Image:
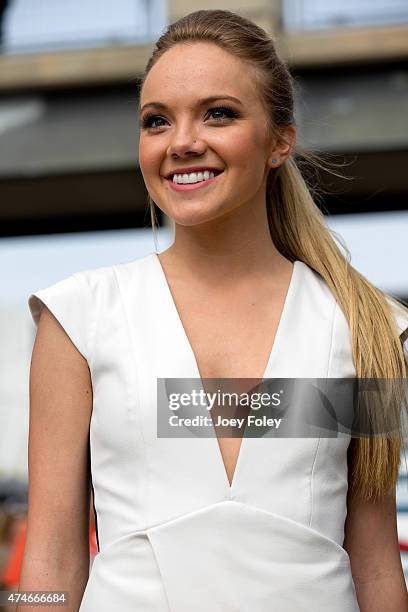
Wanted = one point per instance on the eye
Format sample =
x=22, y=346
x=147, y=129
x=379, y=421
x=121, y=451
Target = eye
x=227, y=111
x=148, y=120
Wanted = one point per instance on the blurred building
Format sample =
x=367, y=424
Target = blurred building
x=68, y=110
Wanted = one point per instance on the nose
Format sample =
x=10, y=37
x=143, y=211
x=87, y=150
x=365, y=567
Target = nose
x=185, y=141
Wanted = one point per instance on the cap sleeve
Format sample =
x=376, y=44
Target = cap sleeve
x=404, y=338
x=68, y=301
x=401, y=319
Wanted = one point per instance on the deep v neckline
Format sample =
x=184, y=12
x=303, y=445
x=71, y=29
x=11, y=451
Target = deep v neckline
x=279, y=333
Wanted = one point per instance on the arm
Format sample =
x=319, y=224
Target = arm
x=371, y=540
x=56, y=555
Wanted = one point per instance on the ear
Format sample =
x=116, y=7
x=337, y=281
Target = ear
x=282, y=148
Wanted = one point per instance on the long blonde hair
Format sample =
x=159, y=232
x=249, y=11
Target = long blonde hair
x=299, y=232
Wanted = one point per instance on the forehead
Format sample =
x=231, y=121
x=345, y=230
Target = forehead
x=196, y=70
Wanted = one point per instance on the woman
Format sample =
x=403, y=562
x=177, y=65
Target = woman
x=246, y=291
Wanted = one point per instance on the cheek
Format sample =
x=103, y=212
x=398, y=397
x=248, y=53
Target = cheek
x=240, y=147
x=149, y=158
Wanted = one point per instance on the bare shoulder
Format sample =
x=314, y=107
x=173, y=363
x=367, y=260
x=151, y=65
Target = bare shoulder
x=53, y=347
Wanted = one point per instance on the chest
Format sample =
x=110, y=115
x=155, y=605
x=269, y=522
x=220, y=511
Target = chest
x=163, y=472
x=232, y=337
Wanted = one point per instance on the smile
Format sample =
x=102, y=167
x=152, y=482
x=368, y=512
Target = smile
x=191, y=186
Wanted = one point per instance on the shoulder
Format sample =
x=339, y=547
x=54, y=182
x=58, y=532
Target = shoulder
x=96, y=282
x=317, y=297
x=77, y=300
x=325, y=302
x=101, y=274
x=317, y=284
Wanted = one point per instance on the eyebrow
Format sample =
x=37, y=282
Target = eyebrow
x=201, y=102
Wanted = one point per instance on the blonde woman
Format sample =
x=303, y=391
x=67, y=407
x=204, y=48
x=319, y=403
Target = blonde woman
x=253, y=287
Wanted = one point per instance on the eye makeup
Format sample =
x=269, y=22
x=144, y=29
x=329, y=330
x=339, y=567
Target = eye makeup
x=146, y=122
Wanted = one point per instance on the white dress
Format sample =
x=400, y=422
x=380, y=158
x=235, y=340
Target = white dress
x=173, y=535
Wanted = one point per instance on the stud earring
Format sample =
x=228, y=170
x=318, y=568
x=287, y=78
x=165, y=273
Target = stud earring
x=274, y=161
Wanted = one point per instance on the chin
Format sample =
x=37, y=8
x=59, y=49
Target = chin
x=192, y=213
x=190, y=220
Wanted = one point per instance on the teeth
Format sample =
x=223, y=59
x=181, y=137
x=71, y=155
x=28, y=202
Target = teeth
x=194, y=177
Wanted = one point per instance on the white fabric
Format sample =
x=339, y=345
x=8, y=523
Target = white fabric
x=174, y=536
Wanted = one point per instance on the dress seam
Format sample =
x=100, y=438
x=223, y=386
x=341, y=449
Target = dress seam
x=330, y=356
x=331, y=350
x=312, y=483
x=92, y=321
x=138, y=384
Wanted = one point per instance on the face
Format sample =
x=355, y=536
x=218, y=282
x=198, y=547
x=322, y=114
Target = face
x=201, y=113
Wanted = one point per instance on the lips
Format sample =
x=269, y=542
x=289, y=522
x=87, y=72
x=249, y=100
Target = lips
x=192, y=186
x=193, y=169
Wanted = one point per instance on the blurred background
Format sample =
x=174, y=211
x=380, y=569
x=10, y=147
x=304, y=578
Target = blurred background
x=72, y=195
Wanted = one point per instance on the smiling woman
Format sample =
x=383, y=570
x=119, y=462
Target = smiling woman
x=218, y=118
x=254, y=287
